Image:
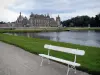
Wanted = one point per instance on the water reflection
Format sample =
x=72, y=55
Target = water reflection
x=88, y=38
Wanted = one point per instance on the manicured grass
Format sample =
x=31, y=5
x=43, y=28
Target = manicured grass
x=17, y=31
x=90, y=62
x=50, y=29
x=34, y=30
x=83, y=28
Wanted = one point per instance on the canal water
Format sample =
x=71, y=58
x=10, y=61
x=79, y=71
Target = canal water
x=87, y=38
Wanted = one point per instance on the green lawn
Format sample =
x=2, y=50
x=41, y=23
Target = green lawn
x=50, y=29
x=90, y=62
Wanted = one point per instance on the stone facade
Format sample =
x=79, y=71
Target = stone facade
x=21, y=21
x=36, y=20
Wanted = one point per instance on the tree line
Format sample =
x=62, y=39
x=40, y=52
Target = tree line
x=82, y=21
x=2, y=22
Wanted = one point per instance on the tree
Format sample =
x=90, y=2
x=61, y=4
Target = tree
x=2, y=22
x=83, y=21
x=97, y=20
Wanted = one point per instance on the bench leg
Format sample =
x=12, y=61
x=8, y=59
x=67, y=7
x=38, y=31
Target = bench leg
x=73, y=67
x=68, y=70
x=75, y=71
x=41, y=61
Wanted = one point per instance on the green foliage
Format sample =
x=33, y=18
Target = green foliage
x=83, y=21
x=90, y=62
x=2, y=22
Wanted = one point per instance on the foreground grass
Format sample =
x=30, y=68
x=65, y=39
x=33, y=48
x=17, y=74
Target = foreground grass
x=90, y=62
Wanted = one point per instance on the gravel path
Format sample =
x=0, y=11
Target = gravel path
x=16, y=61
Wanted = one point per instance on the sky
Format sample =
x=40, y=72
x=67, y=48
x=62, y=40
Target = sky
x=66, y=9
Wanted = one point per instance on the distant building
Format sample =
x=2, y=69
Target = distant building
x=21, y=21
x=36, y=20
x=4, y=25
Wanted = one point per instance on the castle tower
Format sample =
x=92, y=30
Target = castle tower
x=31, y=14
x=48, y=16
x=20, y=13
x=19, y=21
x=58, y=20
x=20, y=18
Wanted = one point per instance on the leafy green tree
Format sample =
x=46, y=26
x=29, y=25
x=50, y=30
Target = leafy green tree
x=2, y=22
x=83, y=21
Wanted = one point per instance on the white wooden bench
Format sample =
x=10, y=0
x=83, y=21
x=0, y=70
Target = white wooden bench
x=71, y=64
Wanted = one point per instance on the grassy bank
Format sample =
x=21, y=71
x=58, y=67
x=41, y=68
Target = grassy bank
x=50, y=29
x=17, y=31
x=83, y=28
x=24, y=31
x=90, y=62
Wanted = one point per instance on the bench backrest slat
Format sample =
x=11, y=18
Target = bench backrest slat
x=63, y=49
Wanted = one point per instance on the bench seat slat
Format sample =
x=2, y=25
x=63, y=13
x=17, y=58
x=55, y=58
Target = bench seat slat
x=60, y=60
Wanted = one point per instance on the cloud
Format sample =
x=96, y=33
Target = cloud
x=5, y=13
x=65, y=8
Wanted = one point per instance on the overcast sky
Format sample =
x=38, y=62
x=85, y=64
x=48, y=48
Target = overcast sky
x=9, y=9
